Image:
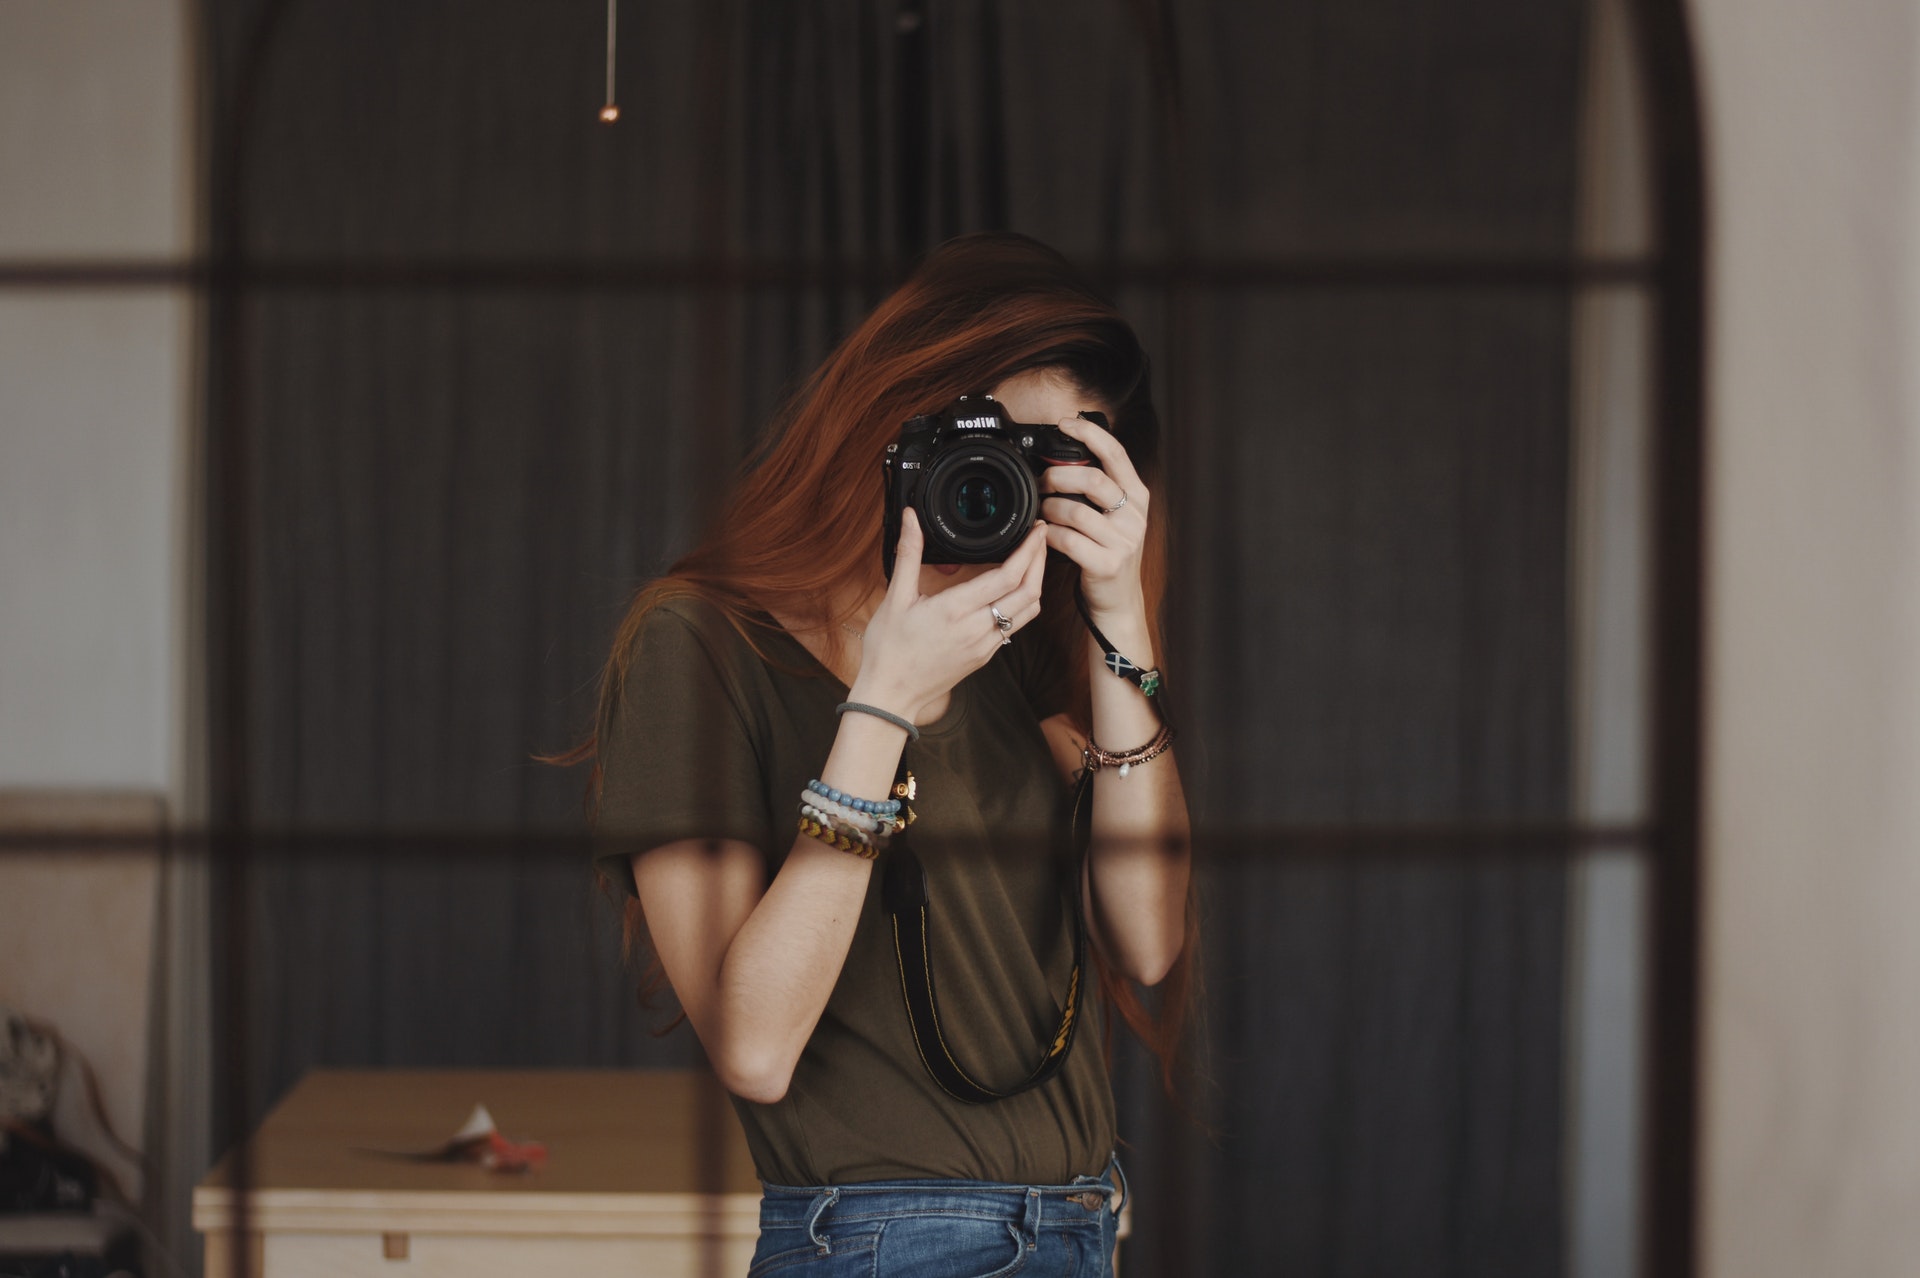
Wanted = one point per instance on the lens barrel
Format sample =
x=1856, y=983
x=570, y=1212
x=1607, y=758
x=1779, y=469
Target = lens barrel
x=978, y=498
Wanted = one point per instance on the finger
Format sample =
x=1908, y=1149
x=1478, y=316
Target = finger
x=1000, y=580
x=1087, y=480
x=1082, y=549
x=1113, y=457
x=1036, y=575
x=1027, y=594
x=1022, y=604
x=1071, y=513
x=905, y=585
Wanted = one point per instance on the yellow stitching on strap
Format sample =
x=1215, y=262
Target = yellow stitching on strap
x=933, y=1005
x=901, y=959
x=1066, y=1020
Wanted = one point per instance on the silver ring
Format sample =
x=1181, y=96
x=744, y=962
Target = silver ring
x=1001, y=619
x=1108, y=510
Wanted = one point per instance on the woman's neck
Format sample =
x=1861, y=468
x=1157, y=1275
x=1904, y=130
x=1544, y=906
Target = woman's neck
x=834, y=635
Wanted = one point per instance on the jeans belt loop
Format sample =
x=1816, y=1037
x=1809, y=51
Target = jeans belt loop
x=1030, y=1226
x=820, y=1206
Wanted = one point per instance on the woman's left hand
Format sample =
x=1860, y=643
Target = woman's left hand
x=1106, y=543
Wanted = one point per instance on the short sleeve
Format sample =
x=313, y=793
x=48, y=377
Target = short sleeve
x=678, y=755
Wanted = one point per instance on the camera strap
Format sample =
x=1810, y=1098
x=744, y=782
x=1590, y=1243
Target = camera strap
x=904, y=890
x=1148, y=681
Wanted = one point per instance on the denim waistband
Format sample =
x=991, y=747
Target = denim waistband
x=812, y=1207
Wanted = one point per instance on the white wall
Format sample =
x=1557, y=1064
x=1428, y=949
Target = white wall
x=1812, y=1142
x=95, y=162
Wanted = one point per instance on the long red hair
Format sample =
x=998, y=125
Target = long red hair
x=796, y=530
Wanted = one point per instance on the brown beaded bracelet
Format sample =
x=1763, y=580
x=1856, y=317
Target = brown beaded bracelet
x=1093, y=758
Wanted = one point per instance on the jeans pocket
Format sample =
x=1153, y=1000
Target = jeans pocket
x=851, y=1257
x=951, y=1246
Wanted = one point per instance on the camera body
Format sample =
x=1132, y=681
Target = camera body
x=972, y=474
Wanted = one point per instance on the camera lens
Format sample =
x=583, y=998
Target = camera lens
x=978, y=500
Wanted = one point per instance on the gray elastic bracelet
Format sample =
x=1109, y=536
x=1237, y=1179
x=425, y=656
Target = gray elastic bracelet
x=912, y=732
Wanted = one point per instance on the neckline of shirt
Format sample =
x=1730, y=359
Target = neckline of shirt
x=945, y=725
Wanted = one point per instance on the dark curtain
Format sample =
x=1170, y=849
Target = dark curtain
x=457, y=476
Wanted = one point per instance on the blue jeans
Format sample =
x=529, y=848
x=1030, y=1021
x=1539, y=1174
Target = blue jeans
x=941, y=1228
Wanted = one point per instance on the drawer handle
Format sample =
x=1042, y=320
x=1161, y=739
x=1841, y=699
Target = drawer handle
x=393, y=1246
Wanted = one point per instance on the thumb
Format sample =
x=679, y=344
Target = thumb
x=906, y=557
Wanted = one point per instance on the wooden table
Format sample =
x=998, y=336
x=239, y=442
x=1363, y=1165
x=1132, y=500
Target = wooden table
x=647, y=1173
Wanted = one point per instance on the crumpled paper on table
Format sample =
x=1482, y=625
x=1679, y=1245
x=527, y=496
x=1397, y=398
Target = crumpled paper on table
x=478, y=1141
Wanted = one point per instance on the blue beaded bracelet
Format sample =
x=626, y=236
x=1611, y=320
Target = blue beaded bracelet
x=873, y=807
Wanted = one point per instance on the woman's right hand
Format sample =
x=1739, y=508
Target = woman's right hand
x=917, y=647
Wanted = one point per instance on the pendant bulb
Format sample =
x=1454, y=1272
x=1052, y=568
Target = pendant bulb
x=611, y=111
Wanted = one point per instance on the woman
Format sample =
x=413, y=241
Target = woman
x=776, y=710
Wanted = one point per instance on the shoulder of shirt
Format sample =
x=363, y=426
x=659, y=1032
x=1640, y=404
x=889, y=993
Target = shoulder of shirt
x=698, y=615
x=706, y=624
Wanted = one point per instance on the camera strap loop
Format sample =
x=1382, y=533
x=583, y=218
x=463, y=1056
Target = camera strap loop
x=1148, y=681
x=904, y=892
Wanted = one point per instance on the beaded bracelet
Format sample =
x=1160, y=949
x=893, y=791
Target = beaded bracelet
x=877, y=836
x=841, y=814
x=834, y=838
x=876, y=807
x=858, y=824
x=841, y=822
x=841, y=835
x=1093, y=758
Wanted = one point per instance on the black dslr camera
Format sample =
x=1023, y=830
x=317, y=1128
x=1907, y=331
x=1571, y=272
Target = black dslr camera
x=971, y=473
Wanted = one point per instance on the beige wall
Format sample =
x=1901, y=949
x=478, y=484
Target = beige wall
x=96, y=124
x=1812, y=1143
x=77, y=933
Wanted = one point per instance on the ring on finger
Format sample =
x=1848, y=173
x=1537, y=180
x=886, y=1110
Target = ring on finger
x=1108, y=510
x=1001, y=619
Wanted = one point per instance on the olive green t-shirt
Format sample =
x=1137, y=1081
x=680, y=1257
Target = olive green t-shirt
x=711, y=741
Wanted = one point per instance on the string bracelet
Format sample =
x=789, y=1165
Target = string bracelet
x=875, y=807
x=913, y=733
x=1093, y=758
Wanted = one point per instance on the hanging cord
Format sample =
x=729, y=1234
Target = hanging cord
x=611, y=111
x=905, y=895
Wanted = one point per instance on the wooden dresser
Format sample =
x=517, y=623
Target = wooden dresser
x=646, y=1173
